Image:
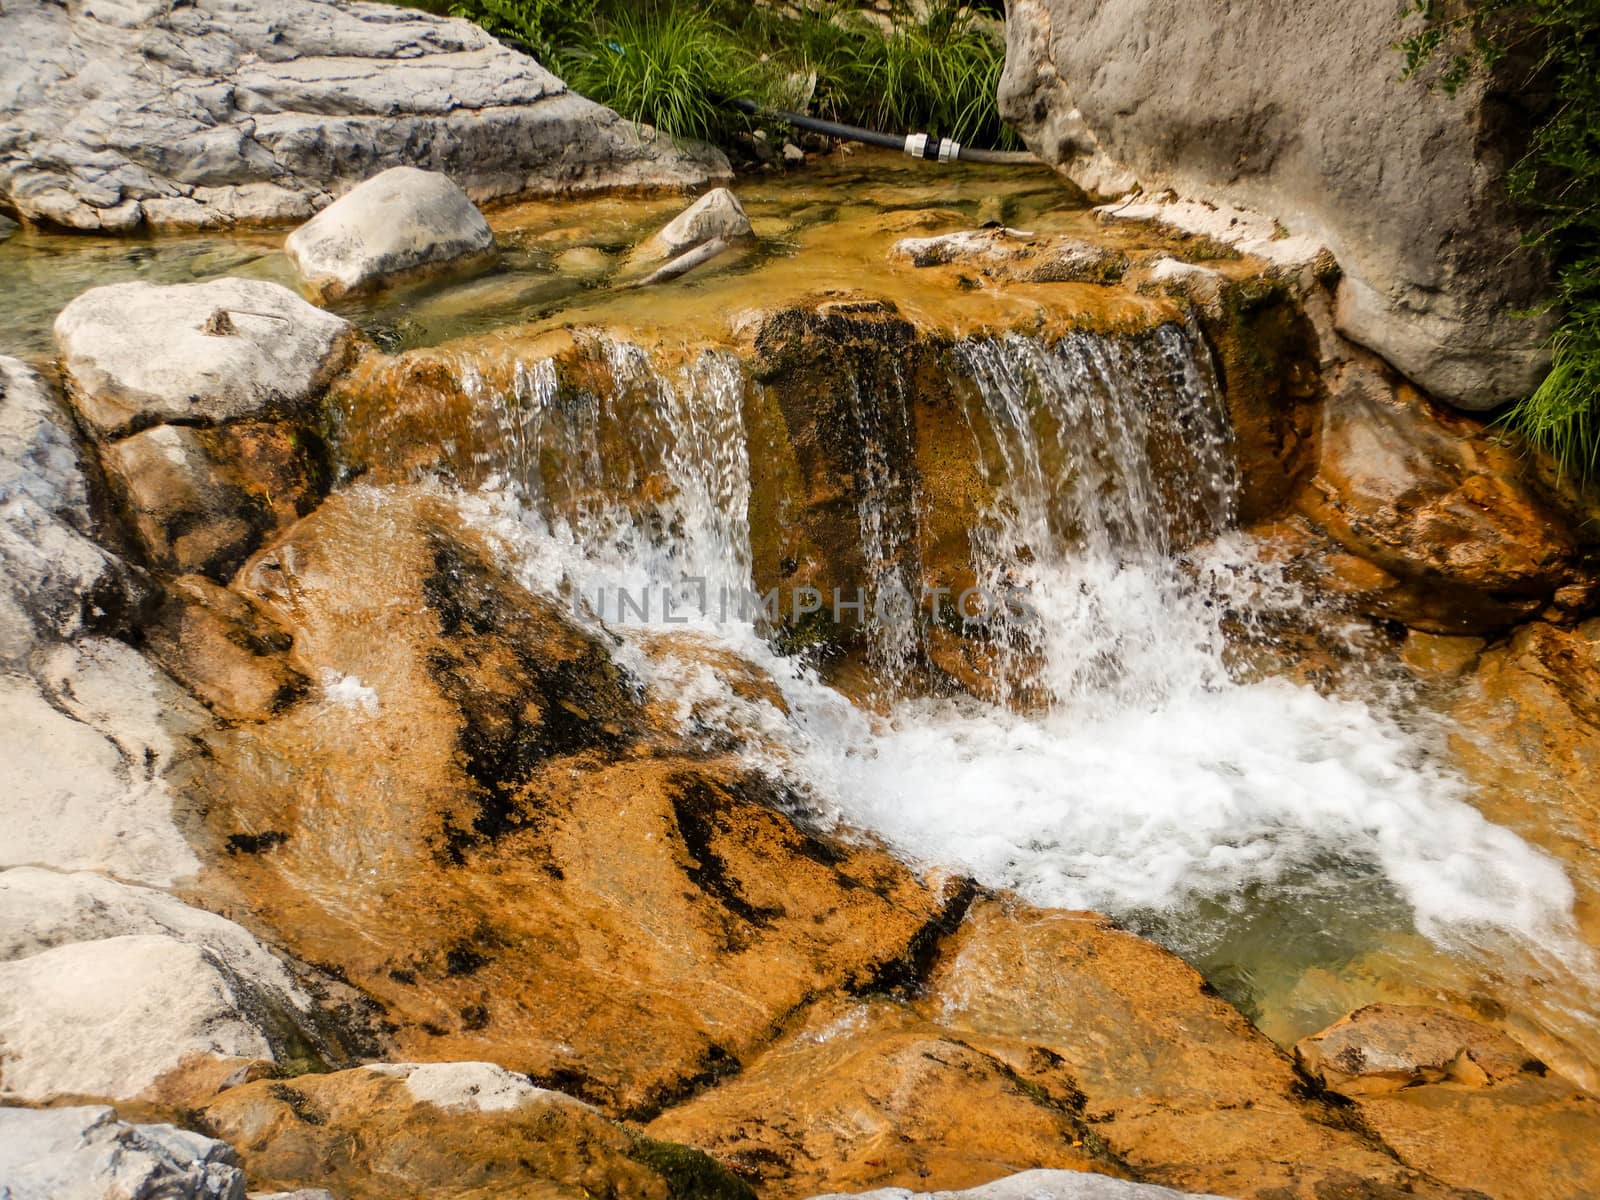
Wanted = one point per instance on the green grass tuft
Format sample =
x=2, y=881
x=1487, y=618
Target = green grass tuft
x=669, y=63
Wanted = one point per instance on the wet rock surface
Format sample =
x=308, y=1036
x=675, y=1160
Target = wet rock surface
x=119, y=116
x=1461, y=1100
x=402, y=224
x=1036, y=1185
x=430, y=823
x=449, y=1130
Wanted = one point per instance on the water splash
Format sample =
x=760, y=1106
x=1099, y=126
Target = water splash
x=1148, y=782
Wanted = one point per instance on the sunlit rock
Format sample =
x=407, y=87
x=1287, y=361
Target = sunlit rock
x=451, y=1131
x=211, y=115
x=868, y=1094
x=477, y=820
x=86, y=1153
x=136, y=354
x=397, y=226
x=716, y=215
x=1037, y=1185
x=1461, y=1100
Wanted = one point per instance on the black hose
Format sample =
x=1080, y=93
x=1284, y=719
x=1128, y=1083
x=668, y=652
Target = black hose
x=918, y=145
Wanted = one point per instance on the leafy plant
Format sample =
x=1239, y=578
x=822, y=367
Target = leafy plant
x=1557, y=179
x=540, y=26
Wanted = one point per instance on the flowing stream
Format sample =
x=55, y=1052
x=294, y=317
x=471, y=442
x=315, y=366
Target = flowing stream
x=1259, y=826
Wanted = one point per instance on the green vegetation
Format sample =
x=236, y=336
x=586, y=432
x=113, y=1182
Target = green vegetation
x=670, y=63
x=1558, y=180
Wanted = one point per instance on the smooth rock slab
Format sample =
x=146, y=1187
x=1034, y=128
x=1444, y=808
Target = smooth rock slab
x=1038, y=1185
x=398, y=224
x=86, y=1153
x=137, y=354
x=111, y=1018
x=118, y=115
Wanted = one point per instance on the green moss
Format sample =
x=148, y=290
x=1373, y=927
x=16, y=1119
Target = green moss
x=689, y=1174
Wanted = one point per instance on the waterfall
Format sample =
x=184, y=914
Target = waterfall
x=1145, y=779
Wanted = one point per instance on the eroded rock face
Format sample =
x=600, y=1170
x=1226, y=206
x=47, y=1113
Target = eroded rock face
x=86, y=1153
x=1217, y=107
x=474, y=820
x=868, y=1094
x=401, y=224
x=208, y=115
x=455, y=1131
x=1461, y=1100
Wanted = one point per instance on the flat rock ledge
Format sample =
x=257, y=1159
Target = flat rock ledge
x=400, y=225
x=122, y=114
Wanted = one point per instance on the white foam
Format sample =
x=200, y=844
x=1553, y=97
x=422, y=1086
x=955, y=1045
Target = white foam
x=346, y=691
x=1154, y=778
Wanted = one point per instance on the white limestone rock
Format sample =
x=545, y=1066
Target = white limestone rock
x=1012, y=254
x=55, y=581
x=398, y=224
x=470, y=1086
x=111, y=1018
x=1038, y=1185
x=86, y=1153
x=103, y=728
x=138, y=354
x=119, y=114
x=1303, y=116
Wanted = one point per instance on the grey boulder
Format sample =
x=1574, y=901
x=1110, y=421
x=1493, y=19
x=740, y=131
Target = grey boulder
x=136, y=354
x=717, y=214
x=122, y=113
x=397, y=225
x=1299, y=112
x=1038, y=1185
x=86, y=1153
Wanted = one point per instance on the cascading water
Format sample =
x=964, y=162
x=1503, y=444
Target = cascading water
x=1144, y=779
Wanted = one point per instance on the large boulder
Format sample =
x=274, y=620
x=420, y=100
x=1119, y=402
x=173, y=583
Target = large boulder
x=204, y=399
x=117, y=115
x=1302, y=115
x=86, y=1153
x=395, y=226
x=477, y=819
x=137, y=354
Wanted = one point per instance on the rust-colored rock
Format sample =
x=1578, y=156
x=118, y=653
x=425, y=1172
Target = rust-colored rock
x=226, y=650
x=1385, y=1047
x=201, y=499
x=1462, y=1101
x=448, y=1131
x=1436, y=502
x=474, y=824
x=867, y=1094
x=1174, y=1080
